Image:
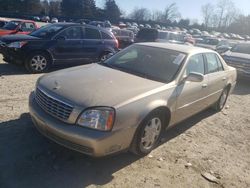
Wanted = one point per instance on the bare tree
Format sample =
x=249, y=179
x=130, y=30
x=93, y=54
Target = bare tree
x=157, y=15
x=224, y=12
x=207, y=13
x=140, y=14
x=171, y=12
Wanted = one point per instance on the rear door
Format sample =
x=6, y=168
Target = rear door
x=93, y=43
x=69, y=45
x=191, y=95
x=216, y=76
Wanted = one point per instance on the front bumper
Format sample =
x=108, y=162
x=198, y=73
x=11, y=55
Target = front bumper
x=12, y=55
x=91, y=142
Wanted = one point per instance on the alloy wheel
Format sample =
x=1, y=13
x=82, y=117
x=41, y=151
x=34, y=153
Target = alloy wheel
x=38, y=63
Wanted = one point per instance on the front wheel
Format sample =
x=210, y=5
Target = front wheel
x=148, y=134
x=38, y=63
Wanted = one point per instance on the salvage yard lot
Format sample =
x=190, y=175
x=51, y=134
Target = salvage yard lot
x=218, y=144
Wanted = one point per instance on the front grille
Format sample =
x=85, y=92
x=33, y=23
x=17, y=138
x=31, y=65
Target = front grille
x=53, y=106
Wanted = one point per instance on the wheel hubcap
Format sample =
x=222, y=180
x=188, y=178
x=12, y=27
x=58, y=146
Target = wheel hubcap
x=38, y=63
x=151, y=133
x=223, y=99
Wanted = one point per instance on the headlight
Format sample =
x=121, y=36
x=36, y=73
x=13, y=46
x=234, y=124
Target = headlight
x=101, y=118
x=17, y=44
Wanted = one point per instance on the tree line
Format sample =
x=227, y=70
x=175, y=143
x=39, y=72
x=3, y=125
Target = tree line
x=63, y=8
x=221, y=16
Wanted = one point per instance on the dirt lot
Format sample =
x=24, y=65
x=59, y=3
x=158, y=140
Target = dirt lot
x=218, y=144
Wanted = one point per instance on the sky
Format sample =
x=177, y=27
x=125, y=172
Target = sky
x=188, y=8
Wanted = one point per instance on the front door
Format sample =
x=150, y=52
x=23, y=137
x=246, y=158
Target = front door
x=69, y=45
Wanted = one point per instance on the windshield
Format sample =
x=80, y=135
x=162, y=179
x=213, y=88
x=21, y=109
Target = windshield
x=241, y=48
x=148, y=62
x=12, y=25
x=47, y=31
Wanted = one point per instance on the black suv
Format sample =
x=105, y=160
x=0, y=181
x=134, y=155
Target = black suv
x=58, y=43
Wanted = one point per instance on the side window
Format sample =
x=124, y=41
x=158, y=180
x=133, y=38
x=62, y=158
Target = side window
x=219, y=64
x=106, y=36
x=212, y=63
x=195, y=64
x=26, y=27
x=72, y=33
x=92, y=33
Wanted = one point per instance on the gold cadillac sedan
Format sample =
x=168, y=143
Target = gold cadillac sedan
x=126, y=102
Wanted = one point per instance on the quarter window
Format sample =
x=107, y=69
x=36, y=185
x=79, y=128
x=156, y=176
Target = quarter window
x=195, y=64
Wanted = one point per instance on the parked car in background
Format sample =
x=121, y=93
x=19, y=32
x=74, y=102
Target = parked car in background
x=154, y=35
x=209, y=42
x=128, y=101
x=18, y=27
x=3, y=22
x=58, y=43
x=54, y=20
x=124, y=37
x=225, y=45
x=147, y=35
x=36, y=18
x=45, y=19
x=106, y=25
x=239, y=57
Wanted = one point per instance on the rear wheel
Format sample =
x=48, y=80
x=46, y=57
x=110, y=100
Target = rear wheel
x=104, y=56
x=38, y=62
x=219, y=105
x=148, y=134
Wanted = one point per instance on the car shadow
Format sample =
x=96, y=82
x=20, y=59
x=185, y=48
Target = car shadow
x=8, y=69
x=242, y=87
x=28, y=159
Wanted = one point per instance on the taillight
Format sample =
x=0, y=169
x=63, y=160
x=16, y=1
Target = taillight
x=117, y=43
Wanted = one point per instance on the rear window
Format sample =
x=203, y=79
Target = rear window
x=241, y=48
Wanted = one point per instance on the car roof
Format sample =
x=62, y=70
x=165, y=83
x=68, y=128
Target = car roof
x=177, y=47
x=22, y=21
x=68, y=24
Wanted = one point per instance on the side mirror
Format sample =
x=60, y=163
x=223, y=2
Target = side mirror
x=61, y=38
x=194, y=77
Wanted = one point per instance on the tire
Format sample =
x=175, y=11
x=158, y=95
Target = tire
x=104, y=56
x=38, y=62
x=148, y=134
x=220, y=104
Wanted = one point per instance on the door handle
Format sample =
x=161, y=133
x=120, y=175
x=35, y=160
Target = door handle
x=204, y=86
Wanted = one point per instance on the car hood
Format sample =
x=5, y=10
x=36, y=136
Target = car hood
x=95, y=85
x=16, y=38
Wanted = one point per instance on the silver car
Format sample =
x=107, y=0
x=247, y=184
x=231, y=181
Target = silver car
x=126, y=102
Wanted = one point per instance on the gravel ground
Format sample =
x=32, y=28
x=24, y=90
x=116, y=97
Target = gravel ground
x=207, y=144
